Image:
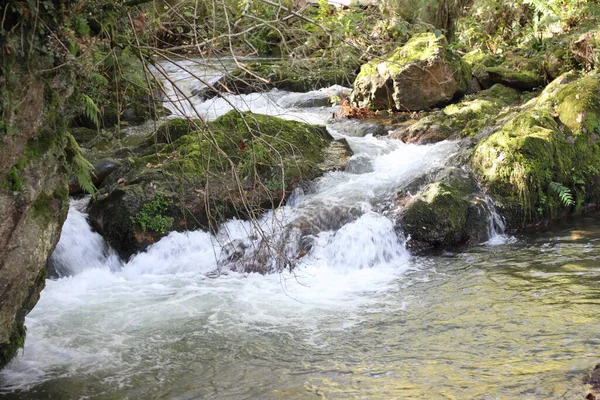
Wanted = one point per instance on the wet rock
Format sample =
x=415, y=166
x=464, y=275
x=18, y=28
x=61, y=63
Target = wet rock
x=358, y=128
x=318, y=98
x=267, y=253
x=553, y=139
x=34, y=168
x=422, y=74
x=336, y=156
x=359, y=164
x=101, y=170
x=238, y=166
x=447, y=213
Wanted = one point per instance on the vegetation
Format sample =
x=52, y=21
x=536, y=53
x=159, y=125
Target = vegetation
x=151, y=216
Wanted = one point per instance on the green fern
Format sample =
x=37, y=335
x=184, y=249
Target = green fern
x=91, y=110
x=564, y=193
x=80, y=166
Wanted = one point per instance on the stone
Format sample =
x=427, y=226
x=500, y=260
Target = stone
x=239, y=165
x=422, y=74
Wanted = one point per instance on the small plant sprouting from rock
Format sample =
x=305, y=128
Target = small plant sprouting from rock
x=151, y=216
x=564, y=193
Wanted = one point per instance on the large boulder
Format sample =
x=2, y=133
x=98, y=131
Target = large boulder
x=422, y=74
x=447, y=213
x=236, y=166
x=546, y=160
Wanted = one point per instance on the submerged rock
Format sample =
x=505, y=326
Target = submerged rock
x=421, y=74
x=237, y=166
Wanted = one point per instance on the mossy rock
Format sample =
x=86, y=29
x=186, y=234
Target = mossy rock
x=517, y=70
x=175, y=128
x=239, y=165
x=465, y=118
x=421, y=74
x=555, y=140
x=446, y=213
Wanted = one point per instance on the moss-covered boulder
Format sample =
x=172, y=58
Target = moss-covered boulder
x=516, y=70
x=446, y=213
x=421, y=74
x=175, y=128
x=547, y=155
x=462, y=119
x=238, y=165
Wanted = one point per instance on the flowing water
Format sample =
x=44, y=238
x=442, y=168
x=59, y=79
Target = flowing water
x=358, y=318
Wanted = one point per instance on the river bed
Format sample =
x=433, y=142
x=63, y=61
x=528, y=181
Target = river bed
x=360, y=317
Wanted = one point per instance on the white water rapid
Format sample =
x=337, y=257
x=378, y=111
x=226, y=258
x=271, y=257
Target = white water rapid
x=164, y=309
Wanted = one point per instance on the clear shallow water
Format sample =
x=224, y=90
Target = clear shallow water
x=359, y=317
x=516, y=321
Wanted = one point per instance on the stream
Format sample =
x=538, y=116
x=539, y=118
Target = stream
x=359, y=317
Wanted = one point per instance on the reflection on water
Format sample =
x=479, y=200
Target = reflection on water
x=517, y=321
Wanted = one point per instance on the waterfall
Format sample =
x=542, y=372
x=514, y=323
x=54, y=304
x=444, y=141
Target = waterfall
x=79, y=247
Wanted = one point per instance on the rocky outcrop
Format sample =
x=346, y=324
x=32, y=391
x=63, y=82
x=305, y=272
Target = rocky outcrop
x=34, y=163
x=544, y=161
x=422, y=74
x=236, y=166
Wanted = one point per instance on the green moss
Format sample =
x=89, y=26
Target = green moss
x=17, y=340
x=419, y=48
x=42, y=207
x=173, y=129
x=518, y=163
x=479, y=57
x=520, y=79
x=577, y=103
x=474, y=112
x=151, y=216
x=438, y=215
x=257, y=147
x=41, y=144
x=14, y=179
x=464, y=118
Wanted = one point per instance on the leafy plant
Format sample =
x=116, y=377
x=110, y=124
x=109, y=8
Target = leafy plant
x=80, y=166
x=91, y=110
x=564, y=193
x=151, y=216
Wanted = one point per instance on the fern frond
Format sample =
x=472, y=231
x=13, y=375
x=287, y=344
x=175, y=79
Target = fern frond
x=564, y=193
x=91, y=110
x=80, y=166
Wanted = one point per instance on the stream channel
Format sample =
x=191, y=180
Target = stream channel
x=360, y=317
